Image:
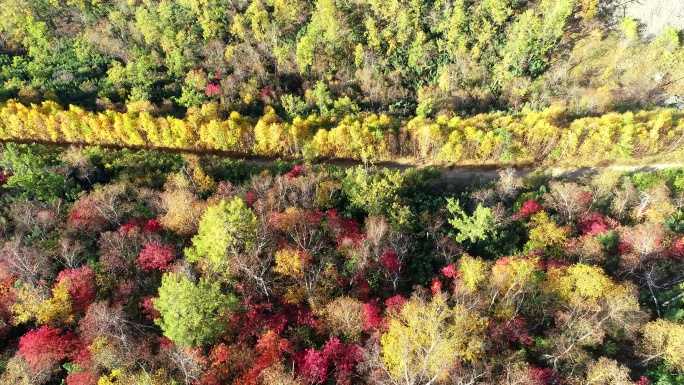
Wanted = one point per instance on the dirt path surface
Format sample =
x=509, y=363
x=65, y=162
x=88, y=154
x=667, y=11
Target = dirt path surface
x=451, y=174
x=474, y=174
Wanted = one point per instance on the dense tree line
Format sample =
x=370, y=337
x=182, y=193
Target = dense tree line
x=409, y=58
x=122, y=267
x=549, y=136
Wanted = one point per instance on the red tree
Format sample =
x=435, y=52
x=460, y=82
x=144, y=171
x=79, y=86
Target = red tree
x=155, y=256
x=46, y=347
x=81, y=286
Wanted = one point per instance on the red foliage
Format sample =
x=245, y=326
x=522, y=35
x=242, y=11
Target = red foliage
x=125, y=291
x=505, y=334
x=344, y=357
x=259, y=317
x=643, y=381
x=449, y=271
x=212, y=89
x=371, y=317
x=128, y=226
x=152, y=226
x=435, y=286
x=593, y=224
x=147, y=307
x=4, y=176
x=390, y=261
x=251, y=196
x=81, y=378
x=295, y=172
x=86, y=215
x=545, y=376
x=264, y=92
x=623, y=247
x=229, y=362
x=155, y=256
x=676, y=250
x=346, y=231
x=314, y=366
x=527, y=209
x=81, y=286
x=270, y=348
x=395, y=303
x=46, y=347
x=556, y=263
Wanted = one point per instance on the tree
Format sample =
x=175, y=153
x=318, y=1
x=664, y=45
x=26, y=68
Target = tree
x=46, y=347
x=663, y=339
x=155, y=256
x=226, y=229
x=588, y=306
x=33, y=174
x=80, y=284
x=182, y=208
x=479, y=226
x=605, y=371
x=570, y=200
x=345, y=318
x=425, y=340
x=372, y=192
x=191, y=314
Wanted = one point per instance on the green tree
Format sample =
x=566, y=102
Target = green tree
x=191, y=314
x=227, y=228
x=479, y=226
x=34, y=175
x=372, y=192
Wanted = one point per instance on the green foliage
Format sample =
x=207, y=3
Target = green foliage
x=479, y=226
x=192, y=314
x=34, y=174
x=226, y=229
x=372, y=192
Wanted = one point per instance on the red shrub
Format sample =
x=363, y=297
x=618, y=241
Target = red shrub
x=527, y=209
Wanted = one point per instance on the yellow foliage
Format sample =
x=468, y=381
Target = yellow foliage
x=32, y=303
x=291, y=262
x=58, y=308
x=27, y=304
x=605, y=371
x=580, y=282
x=664, y=339
x=344, y=316
x=473, y=272
x=120, y=377
x=425, y=340
x=512, y=278
x=545, y=233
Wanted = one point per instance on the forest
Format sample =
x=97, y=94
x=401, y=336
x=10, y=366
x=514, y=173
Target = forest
x=210, y=192
x=150, y=267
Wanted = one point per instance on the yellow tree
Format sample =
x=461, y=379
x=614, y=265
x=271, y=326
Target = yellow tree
x=663, y=339
x=344, y=317
x=589, y=305
x=426, y=340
